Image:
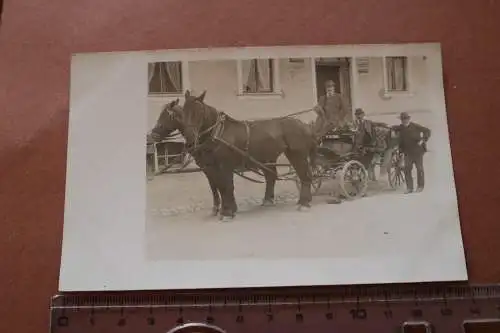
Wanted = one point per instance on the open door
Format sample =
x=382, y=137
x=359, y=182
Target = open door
x=338, y=70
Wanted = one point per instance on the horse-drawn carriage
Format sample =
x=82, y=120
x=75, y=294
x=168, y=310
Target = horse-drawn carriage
x=222, y=146
x=341, y=160
x=337, y=160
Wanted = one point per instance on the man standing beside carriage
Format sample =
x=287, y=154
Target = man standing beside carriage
x=413, y=139
x=369, y=140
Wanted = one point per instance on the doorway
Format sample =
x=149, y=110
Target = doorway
x=339, y=71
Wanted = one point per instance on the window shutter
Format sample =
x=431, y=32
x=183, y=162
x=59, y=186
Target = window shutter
x=363, y=65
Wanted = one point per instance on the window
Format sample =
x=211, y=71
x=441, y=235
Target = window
x=258, y=76
x=165, y=78
x=396, y=73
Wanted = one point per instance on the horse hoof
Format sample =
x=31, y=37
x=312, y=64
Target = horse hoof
x=304, y=208
x=268, y=203
x=215, y=211
x=226, y=218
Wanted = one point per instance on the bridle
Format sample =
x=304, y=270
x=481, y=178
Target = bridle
x=214, y=132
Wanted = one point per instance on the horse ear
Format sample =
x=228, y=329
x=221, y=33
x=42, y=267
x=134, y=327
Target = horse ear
x=202, y=96
x=187, y=94
x=176, y=102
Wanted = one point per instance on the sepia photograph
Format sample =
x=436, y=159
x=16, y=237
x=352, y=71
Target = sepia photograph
x=262, y=166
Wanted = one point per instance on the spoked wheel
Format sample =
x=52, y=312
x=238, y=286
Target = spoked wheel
x=353, y=179
x=316, y=179
x=395, y=174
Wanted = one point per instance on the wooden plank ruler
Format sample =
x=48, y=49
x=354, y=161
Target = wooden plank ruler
x=404, y=308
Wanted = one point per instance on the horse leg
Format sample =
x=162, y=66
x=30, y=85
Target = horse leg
x=215, y=190
x=229, y=207
x=270, y=176
x=301, y=166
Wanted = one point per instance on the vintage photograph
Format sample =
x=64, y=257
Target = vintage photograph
x=330, y=159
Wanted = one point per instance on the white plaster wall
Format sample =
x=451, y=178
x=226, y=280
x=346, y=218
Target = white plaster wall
x=371, y=84
x=219, y=78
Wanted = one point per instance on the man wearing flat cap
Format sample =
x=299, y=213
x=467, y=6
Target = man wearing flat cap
x=413, y=139
x=332, y=111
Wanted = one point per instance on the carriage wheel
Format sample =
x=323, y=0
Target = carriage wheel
x=395, y=174
x=353, y=179
x=316, y=180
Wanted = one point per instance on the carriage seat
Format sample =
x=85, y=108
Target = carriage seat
x=333, y=155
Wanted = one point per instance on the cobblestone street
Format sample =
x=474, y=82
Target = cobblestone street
x=180, y=225
x=175, y=195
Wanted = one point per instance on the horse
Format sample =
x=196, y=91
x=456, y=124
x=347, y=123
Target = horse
x=166, y=124
x=257, y=144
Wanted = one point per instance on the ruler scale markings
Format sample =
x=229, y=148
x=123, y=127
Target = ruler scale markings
x=363, y=308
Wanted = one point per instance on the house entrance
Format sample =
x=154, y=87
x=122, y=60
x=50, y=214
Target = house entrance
x=338, y=70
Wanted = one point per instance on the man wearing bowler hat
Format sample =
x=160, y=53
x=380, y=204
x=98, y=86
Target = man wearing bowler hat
x=365, y=140
x=413, y=139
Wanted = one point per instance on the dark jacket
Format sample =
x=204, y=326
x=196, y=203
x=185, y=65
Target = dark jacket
x=365, y=132
x=335, y=109
x=411, y=135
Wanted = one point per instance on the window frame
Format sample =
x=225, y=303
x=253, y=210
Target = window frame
x=184, y=69
x=408, y=77
x=276, y=91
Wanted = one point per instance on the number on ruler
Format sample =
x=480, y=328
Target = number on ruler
x=210, y=319
x=329, y=315
x=240, y=318
x=151, y=321
x=270, y=317
x=388, y=314
x=358, y=313
x=299, y=317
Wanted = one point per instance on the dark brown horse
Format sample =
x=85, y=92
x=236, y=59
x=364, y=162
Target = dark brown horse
x=167, y=123
x=257, y=144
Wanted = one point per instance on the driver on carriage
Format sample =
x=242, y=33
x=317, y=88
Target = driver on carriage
x=332, y=111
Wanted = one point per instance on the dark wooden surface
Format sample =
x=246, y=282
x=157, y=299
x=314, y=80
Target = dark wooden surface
x=37, y=37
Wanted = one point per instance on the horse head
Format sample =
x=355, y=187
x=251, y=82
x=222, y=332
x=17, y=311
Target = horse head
x=168, y=121
x=195, y=117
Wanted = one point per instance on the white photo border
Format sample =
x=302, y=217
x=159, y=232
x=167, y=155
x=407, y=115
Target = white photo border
x=104, y=228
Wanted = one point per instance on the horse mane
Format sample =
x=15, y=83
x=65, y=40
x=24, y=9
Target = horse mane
x=210, y=114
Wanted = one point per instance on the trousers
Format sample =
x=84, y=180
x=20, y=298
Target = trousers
x=414, y=158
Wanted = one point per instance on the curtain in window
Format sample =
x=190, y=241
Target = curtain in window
x=151, y=71
x=396, y=75
x=265, y=75
x=399, y=73
x=173, y=70
x=250, y=83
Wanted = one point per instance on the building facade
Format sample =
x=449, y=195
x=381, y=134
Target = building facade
x=263, y=88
